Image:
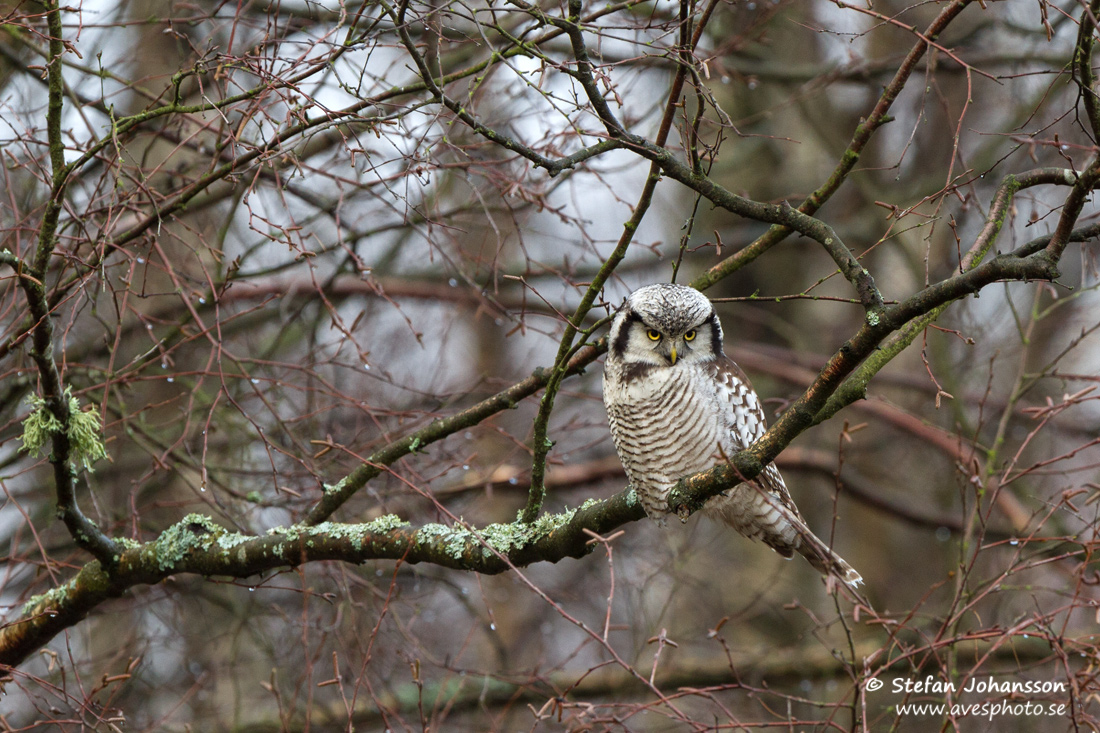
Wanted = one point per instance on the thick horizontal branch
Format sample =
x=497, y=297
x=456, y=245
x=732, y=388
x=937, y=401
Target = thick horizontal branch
x=197, y=545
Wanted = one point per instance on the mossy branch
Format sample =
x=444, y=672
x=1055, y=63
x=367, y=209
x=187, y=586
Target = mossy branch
x=64, y=425
x=197, y=545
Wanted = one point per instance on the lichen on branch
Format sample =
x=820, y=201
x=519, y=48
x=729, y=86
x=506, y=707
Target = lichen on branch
x=84, y=429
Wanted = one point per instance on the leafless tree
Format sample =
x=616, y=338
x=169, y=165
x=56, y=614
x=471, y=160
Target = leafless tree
x=302, y=309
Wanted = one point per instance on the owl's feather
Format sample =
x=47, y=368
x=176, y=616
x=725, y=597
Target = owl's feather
x=676, y=405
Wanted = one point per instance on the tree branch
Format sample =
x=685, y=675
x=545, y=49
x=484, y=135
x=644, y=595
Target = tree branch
x=878, y=117
x=84, y=531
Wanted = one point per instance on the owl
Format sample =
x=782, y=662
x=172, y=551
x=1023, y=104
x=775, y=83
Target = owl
x=676, y=403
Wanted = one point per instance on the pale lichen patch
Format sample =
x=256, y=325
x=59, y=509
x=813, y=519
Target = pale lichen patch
x=229, y=540
x=126, y=544
x=337, y=487
x=354, y=533
x=455, y=538
x=52, y=597
x=431, y=531
x=507, y=537
x=385, y=523
x=39, y=426
x=291, y=533
x=504, y=538
x=547, y=523
x=193, y=532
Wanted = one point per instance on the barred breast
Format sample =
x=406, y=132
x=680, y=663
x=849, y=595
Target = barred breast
x=665, y=426
x=671, y=423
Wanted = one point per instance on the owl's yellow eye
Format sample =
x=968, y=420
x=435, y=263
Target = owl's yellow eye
x=690, y=335
x=653, y=335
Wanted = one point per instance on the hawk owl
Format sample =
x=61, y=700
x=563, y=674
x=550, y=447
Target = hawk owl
x=676, y=403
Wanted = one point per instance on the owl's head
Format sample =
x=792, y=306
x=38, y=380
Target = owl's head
x=665, y=325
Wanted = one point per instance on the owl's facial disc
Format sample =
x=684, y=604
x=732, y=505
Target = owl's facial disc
x=665, y=325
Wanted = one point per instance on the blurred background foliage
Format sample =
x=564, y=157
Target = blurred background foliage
x=254, y=300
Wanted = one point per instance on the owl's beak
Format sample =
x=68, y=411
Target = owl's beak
x=672, y=355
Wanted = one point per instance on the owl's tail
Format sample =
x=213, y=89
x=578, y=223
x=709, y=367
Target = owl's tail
x=773, y=519
x=823, y=558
